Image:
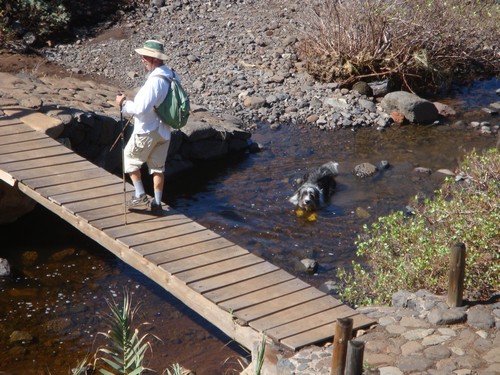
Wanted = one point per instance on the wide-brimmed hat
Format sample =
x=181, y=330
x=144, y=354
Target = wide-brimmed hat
x=152, y=48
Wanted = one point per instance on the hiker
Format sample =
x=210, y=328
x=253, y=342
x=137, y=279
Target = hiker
x=150, y=138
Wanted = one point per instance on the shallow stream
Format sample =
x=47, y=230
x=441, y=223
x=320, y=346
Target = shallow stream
x=61, y=280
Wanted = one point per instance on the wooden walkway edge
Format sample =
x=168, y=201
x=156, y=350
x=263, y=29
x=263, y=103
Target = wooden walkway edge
x=240, y=293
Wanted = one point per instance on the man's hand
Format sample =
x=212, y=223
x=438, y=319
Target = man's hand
x=120, y=99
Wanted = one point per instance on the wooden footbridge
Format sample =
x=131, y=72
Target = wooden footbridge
x=240, y=293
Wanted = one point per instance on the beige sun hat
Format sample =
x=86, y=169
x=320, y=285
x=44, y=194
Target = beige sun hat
x=152, y=48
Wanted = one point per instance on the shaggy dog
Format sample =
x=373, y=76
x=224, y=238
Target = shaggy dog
x=316, y=187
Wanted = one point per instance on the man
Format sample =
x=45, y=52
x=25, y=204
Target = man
x=150, y=138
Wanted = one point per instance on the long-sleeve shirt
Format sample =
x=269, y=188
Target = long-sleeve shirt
x=151, y=94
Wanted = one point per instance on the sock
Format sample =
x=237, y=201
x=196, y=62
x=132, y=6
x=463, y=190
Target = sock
x=158, y=195
x=139, y=188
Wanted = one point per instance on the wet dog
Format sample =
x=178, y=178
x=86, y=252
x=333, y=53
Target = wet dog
x=316, y=187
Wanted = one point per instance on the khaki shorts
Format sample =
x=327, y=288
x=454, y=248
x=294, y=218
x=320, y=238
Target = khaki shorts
x=148, y=148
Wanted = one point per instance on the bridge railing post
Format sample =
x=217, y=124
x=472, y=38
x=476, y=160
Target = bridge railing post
x=456, y=275
x=354, y=361
x=343, y=333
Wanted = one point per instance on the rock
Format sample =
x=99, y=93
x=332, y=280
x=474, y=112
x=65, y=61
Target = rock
x=397, y=117
x=364, y=170
x=362, y=213
x=363, y=88
x=4, y=267
x=414, y=108
x=310, y=264
x=21, y=337
x=444, y=109
x=329, y=287
x=480, y=317
x=38, y=121
x=422, y=170
x=446, y=316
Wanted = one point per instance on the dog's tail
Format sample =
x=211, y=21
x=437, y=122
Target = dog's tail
x=333, y=167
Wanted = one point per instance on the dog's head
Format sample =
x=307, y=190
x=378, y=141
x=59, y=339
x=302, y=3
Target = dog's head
x=308, y=197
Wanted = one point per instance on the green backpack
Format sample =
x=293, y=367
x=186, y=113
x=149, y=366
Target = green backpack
x=175, y=109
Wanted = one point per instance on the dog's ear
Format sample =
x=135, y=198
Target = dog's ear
x=294, y=199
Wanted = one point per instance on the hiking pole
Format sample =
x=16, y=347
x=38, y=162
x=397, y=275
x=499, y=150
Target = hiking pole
x=122, y=136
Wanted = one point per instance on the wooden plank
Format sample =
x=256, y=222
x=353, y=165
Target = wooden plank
x=21, y=137
x=220, y=281
x=187, y=251
x=112, y=216
x=161, y=234
x=6, y=177
x=43, y=182
x=84, y=188
x=292, y=314
x=90, y=193
x=263, y=295
x=13, y=126
x=13, y=166
x=94, y=215
x=206, y=258
x=270, y=307
x=238, y=289
x=51, y=170
x=176, y=241
x=219, y=268
x=321, y=334
x=40, y=153
x=90, y=204
x=308, y=323
x=145, y=226
x=29, y=146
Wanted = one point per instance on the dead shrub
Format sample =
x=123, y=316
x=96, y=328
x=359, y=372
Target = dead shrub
x=420, y=43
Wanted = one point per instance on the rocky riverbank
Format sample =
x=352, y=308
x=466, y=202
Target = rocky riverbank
x=238, y=58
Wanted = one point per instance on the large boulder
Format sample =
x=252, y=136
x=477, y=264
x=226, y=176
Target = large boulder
x=414, y=108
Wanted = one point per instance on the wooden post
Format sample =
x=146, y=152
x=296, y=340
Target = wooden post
x=343, y=333
x=456, y=275
x=354, y=361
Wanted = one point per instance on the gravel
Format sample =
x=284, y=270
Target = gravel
x=235, y=57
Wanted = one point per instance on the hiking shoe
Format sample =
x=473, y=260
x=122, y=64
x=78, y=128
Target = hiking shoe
x=138, y=201
x=156, y=209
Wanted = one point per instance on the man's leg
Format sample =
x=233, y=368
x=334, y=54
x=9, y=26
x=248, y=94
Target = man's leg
x=158, y=183
x=137, y=181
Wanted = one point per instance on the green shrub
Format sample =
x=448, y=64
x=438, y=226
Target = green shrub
x=416, y=43
x=401, y=252
x=42, y=17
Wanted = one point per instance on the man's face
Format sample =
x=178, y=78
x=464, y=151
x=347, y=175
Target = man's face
x=148, y=62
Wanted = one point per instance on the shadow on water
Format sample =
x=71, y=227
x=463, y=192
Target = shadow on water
x=61, y=280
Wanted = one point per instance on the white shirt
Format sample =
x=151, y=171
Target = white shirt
x=151, y=94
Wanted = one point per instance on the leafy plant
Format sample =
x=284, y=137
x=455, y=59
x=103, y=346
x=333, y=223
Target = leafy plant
x=126, y=354
x=412, y=252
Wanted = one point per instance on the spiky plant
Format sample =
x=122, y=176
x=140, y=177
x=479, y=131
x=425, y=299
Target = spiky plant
x=125, y=356
x=259, y=361
x=176, y=370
